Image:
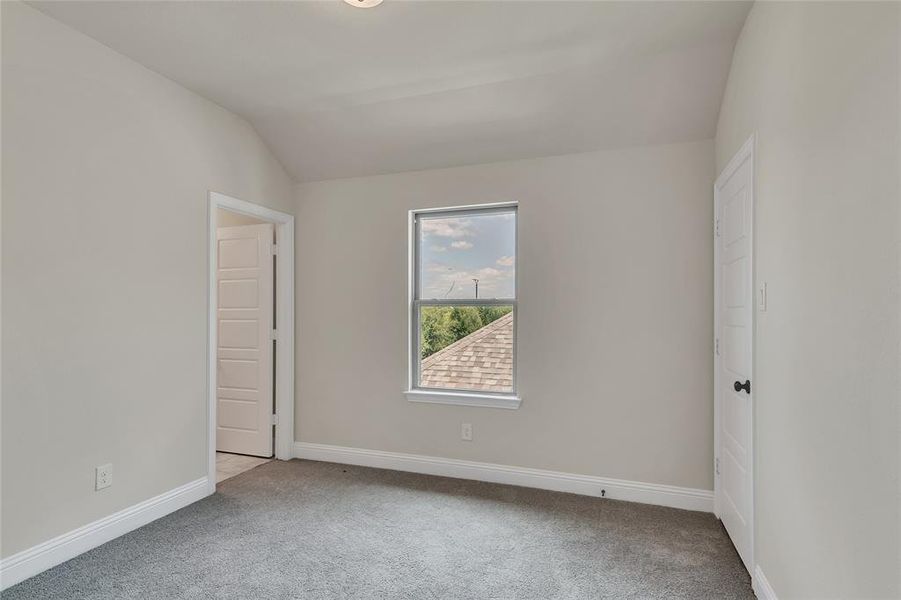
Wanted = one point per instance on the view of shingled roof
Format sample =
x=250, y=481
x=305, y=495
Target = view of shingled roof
x=483, y=360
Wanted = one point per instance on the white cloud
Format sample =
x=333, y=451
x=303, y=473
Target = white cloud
x=461, y=245
x=489, y=272
x=505, y=261
x=458, y=284
x=439, y=249
x=452, y=228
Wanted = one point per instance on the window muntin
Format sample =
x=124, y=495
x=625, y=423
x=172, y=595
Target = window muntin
x=464, y=300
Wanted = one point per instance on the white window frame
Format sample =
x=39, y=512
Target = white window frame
x=414, y=392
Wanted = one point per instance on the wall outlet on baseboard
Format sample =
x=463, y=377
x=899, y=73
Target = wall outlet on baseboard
x=466, y=432
x=103, y=476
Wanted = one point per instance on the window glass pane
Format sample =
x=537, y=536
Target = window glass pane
x=457, y=254
x=466, y=348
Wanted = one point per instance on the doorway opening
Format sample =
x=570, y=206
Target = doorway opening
x=251, y=337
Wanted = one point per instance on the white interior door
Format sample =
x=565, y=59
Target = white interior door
x=734, y=306
x=244, y=399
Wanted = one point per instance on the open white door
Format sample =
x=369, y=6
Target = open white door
x=244, y=399
x=733, y=348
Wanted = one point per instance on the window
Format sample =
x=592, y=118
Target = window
x=463, y=306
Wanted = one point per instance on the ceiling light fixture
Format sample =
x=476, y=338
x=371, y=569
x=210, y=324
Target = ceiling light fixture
x=364, y=3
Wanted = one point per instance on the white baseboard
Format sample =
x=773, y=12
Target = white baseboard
x=586, y=485
x=762, y=587
x=32, y=561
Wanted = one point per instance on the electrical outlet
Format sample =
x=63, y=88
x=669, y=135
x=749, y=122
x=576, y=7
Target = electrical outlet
x=103, y=477
x=466, y=432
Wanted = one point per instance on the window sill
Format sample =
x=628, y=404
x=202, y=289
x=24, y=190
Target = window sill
x=464, y=399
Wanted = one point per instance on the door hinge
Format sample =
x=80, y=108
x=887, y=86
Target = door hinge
x=274, y=334
x=716, y=346
x=274, y=249
x=716, y=465
x=275, y=419
x=716, y=228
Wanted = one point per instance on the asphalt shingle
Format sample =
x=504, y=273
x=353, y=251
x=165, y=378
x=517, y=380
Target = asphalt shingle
x=482, y=361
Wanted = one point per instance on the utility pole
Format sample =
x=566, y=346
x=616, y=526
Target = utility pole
x=477, y=287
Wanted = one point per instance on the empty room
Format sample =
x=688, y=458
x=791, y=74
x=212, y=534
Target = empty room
x=450, y=299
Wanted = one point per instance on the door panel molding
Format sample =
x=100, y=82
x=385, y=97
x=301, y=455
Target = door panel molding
x=734, y=333
x=245, y=386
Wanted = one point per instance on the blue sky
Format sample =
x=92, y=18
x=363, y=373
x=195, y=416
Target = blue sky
x=454, y=250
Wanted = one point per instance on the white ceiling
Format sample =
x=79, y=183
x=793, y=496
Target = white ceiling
x=338, y=91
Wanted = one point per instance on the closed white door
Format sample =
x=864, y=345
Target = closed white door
x=734, y=306
x=244, y=399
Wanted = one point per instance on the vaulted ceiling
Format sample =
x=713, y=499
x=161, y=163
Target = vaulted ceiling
x=338, y=91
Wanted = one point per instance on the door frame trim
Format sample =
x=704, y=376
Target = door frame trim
x=745, y=153
x=284, y=315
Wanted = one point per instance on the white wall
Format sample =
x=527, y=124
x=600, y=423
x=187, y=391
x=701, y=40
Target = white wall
x=819, y=85
x=615, y=320
x=106, y=169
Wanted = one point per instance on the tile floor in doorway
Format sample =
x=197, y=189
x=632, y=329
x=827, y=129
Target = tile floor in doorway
x=229, y=465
